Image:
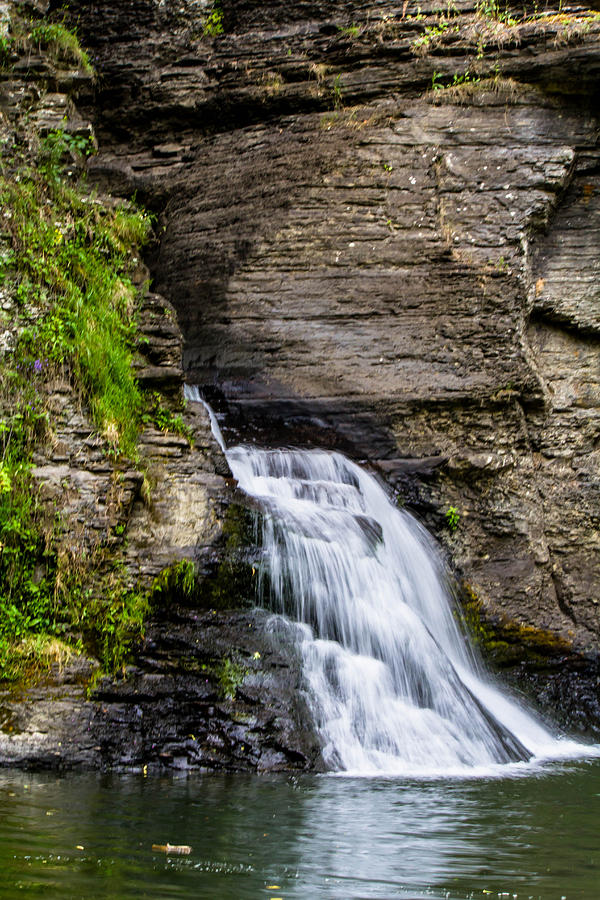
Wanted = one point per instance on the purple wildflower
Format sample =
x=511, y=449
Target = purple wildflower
x=37, y=366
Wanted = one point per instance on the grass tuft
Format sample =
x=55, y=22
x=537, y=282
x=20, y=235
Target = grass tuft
x=61, y=43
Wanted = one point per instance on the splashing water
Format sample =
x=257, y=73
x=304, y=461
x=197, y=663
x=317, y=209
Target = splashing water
x=392, y=683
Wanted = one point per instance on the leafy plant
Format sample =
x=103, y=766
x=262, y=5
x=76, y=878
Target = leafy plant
x=230, y=675
x=163, y=418
x=438, y=83
x=430, y=37
x=336, y=90
x=213, y=24
x=452, y=518
x=6, y=50
x=58, y=144
x=497, y=10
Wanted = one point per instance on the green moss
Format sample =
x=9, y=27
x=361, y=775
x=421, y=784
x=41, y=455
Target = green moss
x=232, y=583
x=81, y=605
x=229, y=584
x=177, y=582
x=101, y=615
x=505, y=642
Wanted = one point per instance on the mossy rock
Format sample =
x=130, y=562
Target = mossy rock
x=227, y=583
x=506, y=643
x=231, y=582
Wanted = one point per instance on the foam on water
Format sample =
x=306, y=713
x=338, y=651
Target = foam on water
x=393, y=685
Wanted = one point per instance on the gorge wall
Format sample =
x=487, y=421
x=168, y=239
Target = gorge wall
x=378, y=228
x=411, y=271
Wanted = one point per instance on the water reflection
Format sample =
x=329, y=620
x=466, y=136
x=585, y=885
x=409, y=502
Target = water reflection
x=83, y=836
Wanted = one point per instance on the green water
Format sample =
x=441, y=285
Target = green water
x=534, y=836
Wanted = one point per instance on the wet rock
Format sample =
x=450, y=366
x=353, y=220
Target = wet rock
x=178, y=707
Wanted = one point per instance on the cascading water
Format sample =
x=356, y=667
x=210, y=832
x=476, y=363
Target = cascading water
x=391, y=681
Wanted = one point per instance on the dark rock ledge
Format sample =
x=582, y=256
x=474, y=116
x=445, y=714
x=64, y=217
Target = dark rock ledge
x=178, y=707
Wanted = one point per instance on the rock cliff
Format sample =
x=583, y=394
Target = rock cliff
x=380, y=231
x=378, y=228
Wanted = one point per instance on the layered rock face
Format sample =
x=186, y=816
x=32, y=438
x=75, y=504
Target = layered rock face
x=378, y=230
x=410, y=270
x=176, y=709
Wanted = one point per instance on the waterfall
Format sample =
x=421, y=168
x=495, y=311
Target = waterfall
x=390, y=678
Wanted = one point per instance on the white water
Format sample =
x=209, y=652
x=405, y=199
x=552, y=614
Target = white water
x=391, y=680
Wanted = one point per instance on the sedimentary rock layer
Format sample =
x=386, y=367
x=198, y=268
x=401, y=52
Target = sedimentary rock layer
x=382, y=222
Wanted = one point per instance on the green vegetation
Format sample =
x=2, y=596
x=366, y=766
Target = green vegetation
x=177, y=581
x=58, y=145
x=226, y=674
x=69, y=257
x=31, y=656
x=229, y=675
x=213, y=24
x=106, y=622
x=440, y=82
x=69, y=313
x=352, y=31
x=430, y=37
x=494, y=25
x=462, y=89
x=452, y=518
x=493, y=9
x=49, y=596
x=60, y=42
x=336, y=91
x=162, y=418
x=6, y=50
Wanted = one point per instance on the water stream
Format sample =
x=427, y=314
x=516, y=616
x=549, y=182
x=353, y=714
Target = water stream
x=392, y=683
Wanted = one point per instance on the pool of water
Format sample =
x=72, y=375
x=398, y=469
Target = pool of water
x=82, y=836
